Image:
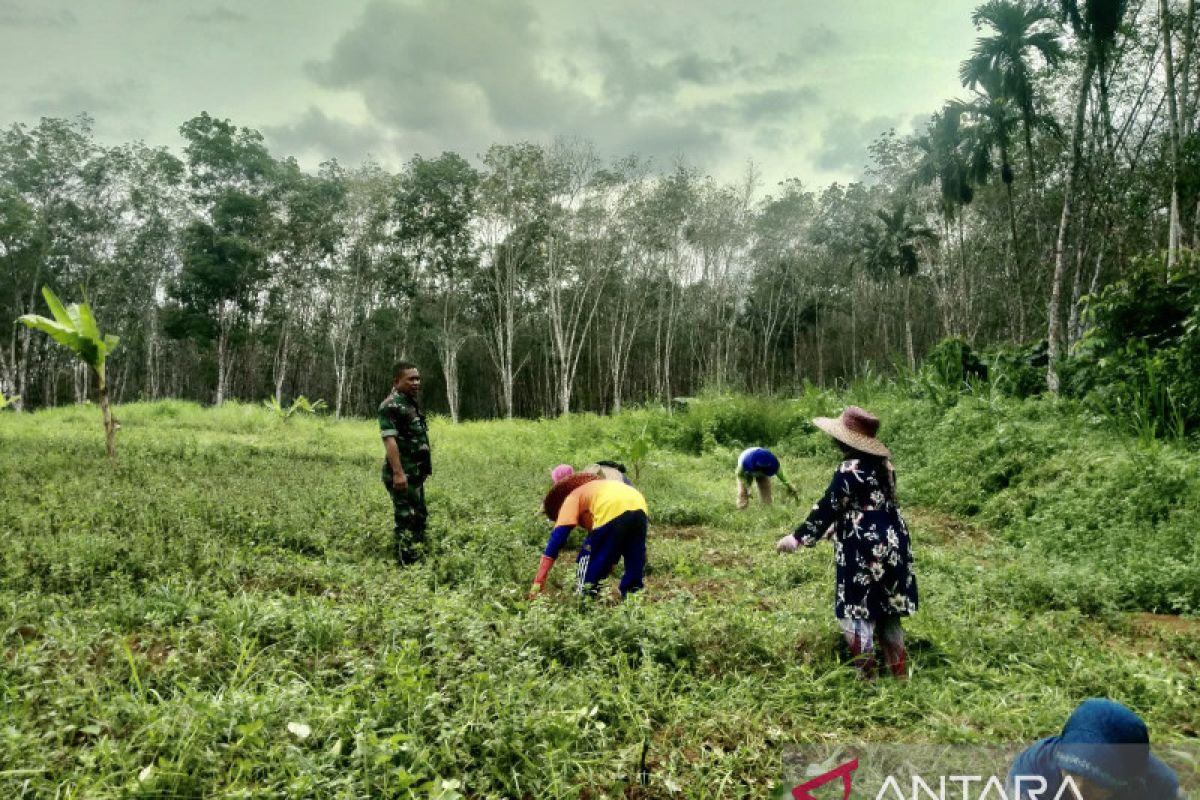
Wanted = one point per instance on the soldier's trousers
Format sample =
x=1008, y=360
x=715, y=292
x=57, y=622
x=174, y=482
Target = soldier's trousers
x=409, y=515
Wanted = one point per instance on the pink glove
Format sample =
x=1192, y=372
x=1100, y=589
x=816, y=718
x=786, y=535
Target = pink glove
x=787, y=544
x=539, y=583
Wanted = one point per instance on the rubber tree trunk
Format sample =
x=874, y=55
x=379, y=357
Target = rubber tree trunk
x=1016, y=255
x=1054, y=326
x=1174, y=234
x=110, y=425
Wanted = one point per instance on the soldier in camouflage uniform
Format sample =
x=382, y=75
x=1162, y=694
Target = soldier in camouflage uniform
x=406, y=441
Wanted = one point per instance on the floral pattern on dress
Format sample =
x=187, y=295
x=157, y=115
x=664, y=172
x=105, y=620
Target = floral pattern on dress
x=872, y=549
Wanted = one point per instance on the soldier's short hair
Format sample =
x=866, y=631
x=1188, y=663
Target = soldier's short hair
x=401, y=367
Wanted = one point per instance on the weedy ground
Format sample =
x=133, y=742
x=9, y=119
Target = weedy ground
x=217, y=616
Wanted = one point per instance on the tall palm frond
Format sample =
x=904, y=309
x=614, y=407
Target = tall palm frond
x=1004, y=61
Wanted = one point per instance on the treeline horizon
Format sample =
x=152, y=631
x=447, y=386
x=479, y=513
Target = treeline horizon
x=544, y=279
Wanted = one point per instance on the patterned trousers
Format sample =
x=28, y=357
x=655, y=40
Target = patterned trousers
x=861, y=636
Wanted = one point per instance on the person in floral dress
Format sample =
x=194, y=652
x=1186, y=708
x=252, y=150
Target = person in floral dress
x=872, y=550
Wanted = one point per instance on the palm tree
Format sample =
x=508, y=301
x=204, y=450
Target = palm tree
x=1095, y=23
x=890, y=248
x=944, y=162
x=996, y=117
x=891, y=240
x=1006, y=57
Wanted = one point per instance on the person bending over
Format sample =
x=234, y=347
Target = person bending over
x=615, y=517
x=759, y=465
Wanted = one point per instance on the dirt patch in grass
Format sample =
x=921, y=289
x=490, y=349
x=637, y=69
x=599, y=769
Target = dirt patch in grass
x=1147, y=622
x=935, y=526
x=1141, y=631
x=152, y=649
x=723, y=558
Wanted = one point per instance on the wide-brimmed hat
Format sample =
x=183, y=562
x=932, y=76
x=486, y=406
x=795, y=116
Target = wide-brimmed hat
x=855, y=427
x=559, y=491
x=1106, y=743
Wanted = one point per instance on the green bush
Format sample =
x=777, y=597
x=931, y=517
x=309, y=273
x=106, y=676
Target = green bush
x=1139, y=360
x=1017, y=371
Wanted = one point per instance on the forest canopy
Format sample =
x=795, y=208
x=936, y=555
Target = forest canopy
x=1042, y=221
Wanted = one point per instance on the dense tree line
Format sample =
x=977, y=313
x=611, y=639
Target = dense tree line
x=542, y=278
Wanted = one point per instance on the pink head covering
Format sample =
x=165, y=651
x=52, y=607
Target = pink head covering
x=561, y=471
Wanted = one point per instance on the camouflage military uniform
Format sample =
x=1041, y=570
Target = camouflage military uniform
x=400, y=417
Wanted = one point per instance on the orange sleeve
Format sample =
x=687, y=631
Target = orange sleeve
x=568, y=514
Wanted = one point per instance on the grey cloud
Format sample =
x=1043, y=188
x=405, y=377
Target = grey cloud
x=664, y=140
x=820, y=38
x=15, y=15
x=809, y=44
x=749, y=108
x=458, y=66
x=70, y=101
x=319, y=134
x=845, y=140
x=629, y=74
x=219, y=15
x=463, y=74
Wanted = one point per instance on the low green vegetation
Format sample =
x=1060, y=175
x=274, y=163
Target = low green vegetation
x=216, y=615
x=301, y=405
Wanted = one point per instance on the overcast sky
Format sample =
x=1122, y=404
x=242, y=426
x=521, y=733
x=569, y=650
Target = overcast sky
x=798, y=87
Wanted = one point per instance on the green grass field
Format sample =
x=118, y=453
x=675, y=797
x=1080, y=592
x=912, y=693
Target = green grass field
x=217, y=615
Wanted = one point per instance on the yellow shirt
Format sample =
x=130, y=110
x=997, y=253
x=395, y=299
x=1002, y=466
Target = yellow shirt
x=598, y=503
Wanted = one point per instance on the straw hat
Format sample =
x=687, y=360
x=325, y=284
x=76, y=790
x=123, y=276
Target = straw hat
x=857, y=428
x=559, y=491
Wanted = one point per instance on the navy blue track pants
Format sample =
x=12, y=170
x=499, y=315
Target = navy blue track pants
x=623, y=537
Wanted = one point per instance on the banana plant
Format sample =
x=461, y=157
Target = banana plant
x=5, y=402
x=636, y=453
x=75, y=328
x=301, y=405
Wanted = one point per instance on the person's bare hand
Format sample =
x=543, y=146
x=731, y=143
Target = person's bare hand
x=400, y=481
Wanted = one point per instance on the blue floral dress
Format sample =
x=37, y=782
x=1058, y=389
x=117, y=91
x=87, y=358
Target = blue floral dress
x=871, y=545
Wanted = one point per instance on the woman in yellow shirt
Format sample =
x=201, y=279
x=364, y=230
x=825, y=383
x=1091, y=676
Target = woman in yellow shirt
x=615, y=516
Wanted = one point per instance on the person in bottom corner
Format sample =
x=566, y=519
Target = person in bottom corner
x=759, y=465
x=875, y=584
x=615, y=517
x=1104, y=750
